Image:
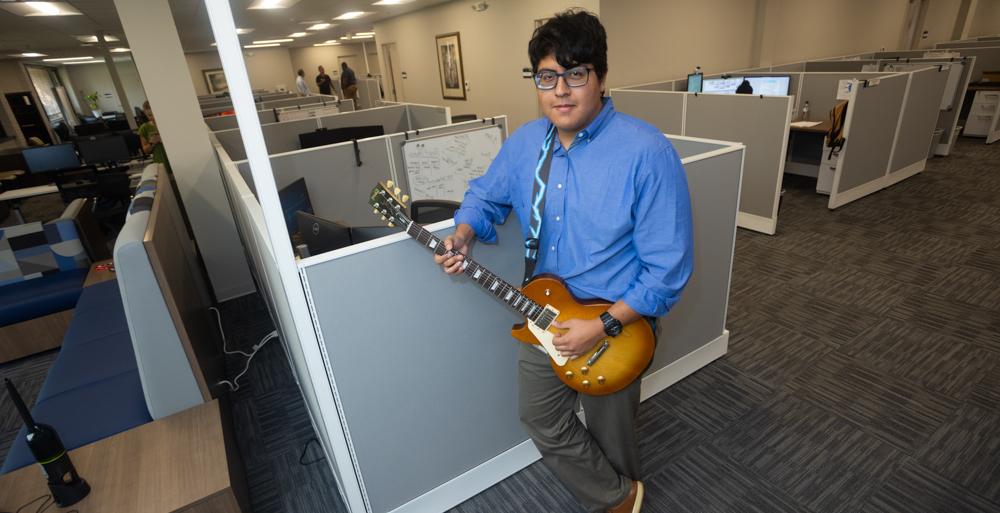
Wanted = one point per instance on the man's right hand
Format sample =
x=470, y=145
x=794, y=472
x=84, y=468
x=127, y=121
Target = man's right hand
x=460, y=242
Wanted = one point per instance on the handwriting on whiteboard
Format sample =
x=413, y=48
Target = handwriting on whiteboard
x=441, y=167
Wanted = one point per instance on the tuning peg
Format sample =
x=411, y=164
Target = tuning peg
x=406, y=198
x=375, y=211
x=389, y=184
x=391, y=225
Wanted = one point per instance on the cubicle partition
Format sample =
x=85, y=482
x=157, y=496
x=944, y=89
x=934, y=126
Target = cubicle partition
x=961, y=45
x=369, y=93
x=760, y=123
x=283, y=137
x=987, y=58
x=384, y=420
x=228, y=122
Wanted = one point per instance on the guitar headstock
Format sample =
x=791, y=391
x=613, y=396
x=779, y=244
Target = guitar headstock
x=387, y=202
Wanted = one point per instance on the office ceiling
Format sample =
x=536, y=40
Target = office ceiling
x=55, y=35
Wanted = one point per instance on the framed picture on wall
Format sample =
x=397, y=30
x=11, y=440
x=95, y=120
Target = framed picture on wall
x=215, y=79
x=450, y=69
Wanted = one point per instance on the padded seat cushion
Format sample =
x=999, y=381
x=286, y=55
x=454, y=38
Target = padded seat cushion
x=81, y=364
x=86, y=414
x=99, y=313
x=39, y=297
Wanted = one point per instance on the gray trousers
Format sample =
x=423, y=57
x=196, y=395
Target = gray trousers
x=596, y=462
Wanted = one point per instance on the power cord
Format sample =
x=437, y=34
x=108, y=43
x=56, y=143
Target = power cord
x=305, y=449
x=218, y=318
x=47, y=502
x=234, y=385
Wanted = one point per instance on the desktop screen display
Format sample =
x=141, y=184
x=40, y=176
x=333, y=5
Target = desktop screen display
x=338, y=135
x=322, y=235
x=694, y=82
x=90, y=129
x=776, y=85
x=294, y=198
x=102, y=150
x=721, y=85
x=57, y=157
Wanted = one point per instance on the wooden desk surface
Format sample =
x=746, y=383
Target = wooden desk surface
x=28, y=192
x=97, y=276
x=823, y=127
x=177, y=463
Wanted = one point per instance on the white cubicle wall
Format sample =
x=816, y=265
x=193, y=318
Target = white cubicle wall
x=960, y=45
x=385, y=420
x=267, y=111
x=987, y=58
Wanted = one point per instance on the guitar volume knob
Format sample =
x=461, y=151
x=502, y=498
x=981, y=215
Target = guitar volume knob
x=600, y=380
x=569, y=374
x=586, y=383
x=584, y=370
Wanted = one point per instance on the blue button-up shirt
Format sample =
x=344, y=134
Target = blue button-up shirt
x=617, y=218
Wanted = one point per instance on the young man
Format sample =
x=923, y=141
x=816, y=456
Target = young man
x=615, y=223
x=323, y=82
x=300, y=83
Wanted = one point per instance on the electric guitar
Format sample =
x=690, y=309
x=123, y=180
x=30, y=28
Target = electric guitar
x=611, y=365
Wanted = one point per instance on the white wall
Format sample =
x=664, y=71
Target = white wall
x=268, y=68
x=939, y=22
x=986, y=20
x=87, y=78
x=494, y=49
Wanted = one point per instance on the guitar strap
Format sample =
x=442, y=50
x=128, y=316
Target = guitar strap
x=542, y=168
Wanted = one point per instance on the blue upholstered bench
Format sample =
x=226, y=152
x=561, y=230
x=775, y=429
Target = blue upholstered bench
x=92, y=390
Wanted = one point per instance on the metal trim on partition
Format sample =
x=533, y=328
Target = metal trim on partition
x=230, y=52
x=899, y=122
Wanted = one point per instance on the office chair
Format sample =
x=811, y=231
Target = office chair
x=432, y=211
x=113, y=196
x=77, y=184
x=459, y=118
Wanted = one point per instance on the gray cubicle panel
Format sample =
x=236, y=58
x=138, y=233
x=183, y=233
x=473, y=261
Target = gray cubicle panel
x=987, y=58
x=662, y=109
x=838, y=66
x=405, y=388
x=392, y=119
x=820, y=90
x=669, y=85
x=426, y=116
x=790, y=68
x=919, y=120
x=870, y=130
x=760, y=123
x=369, y=93
x=217, y=123
x=966, y=44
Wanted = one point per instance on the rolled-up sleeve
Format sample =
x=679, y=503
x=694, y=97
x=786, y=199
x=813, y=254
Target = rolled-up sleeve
x=662, y=234
x=487, y=202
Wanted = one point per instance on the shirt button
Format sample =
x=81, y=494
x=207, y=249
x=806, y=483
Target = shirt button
x=558, y=186
x=558, y=218
x=553, y=248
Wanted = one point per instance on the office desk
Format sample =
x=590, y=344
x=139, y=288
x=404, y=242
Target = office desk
x=176, y=464
x=15, y=195
x=806, y=154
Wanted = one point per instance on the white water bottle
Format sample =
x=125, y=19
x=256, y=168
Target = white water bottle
x=805, y=110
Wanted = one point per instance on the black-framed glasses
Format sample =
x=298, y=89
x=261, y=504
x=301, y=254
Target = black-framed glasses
x=574, y=77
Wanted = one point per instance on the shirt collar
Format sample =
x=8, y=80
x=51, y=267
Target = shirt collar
x=595, y=126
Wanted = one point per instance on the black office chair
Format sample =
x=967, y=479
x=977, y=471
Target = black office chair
x=133, y=143
x=432, y=211
x=113, y=196
x=81, y=183
x=459, y=118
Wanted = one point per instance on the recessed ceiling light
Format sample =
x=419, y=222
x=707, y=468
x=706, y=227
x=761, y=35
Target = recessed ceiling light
x=359, y=36
x=120, y=50
x=242, y=31
x=364, y=33
x=93, y=39
x=328, y=43
x=298, y=34
x=95, y=61
x=29, y=54
x=320, y=26
x=272, y=4
x=63, y=59
x=352, y=15
x=40, y=8
x=262, y=46
x=392, y=2
x=269, y=41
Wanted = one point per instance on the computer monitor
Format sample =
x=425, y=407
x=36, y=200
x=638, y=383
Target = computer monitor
x=294, y=198
x=776, y=85
x=721, y=85
x=361, y=234
x=322, y=235
x=324, y=137
x=44, y=159
x=694, y=82
x=102, y=150
x=118, y=125
x=91, y=129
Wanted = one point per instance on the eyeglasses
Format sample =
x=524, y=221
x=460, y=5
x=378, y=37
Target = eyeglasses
x=575, y=77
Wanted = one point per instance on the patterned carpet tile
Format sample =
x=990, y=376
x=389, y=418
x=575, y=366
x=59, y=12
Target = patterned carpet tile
x=939, y=363
x=901, y=268
x=933, y=313
x=662, y=438
x=712, y=398
x=969, y=285
x=852, y=286
x=934, y=248
x=28, y=375
x=820, y=459
x=704, y=480
x=986, y=393
x=914, y=489
x=531, y=489
x=772, y=353
x=966, y=450
x=984, y=259
x=814, y=245
x=817, y=317
x=756, y=262
x=892, y=409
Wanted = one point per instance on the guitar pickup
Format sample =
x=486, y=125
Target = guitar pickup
x=600, y=351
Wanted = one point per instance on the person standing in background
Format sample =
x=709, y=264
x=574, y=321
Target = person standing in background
x=349, y=83
x=323, y=82
x=300, y=83
x=149, y=136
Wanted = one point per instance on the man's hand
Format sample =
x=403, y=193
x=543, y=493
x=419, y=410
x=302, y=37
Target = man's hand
x=579, y=338
x=460, y=242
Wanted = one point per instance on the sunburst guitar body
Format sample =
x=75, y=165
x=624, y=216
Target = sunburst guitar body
x=611, y=365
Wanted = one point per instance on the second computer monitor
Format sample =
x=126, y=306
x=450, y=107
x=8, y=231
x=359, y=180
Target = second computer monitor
x=694, y=82
x=322, y=235
x=294, y=198
x=767, y=85
x=102, y=150
x=338, y=135
x=56, y=157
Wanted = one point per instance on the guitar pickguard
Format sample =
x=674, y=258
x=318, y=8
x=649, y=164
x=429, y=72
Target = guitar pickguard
x=545, y=337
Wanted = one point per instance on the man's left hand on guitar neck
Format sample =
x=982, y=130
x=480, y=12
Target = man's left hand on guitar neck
x=581, y=335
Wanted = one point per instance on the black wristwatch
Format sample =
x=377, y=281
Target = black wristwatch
x=612, y=326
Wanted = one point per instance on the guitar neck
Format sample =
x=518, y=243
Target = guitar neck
x=489, y=281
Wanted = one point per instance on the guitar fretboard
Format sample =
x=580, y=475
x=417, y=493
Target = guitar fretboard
x=495, y=285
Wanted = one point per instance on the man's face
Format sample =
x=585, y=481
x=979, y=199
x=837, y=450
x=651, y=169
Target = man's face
x=321, y=70
x=570, y=109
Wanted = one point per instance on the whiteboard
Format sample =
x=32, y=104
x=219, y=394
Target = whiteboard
x=440, y=167
x=294, y=113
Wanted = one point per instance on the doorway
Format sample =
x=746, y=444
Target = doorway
x=393, y=76
x=28, y=116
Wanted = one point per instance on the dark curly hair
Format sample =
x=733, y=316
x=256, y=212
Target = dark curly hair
x=574, y=37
